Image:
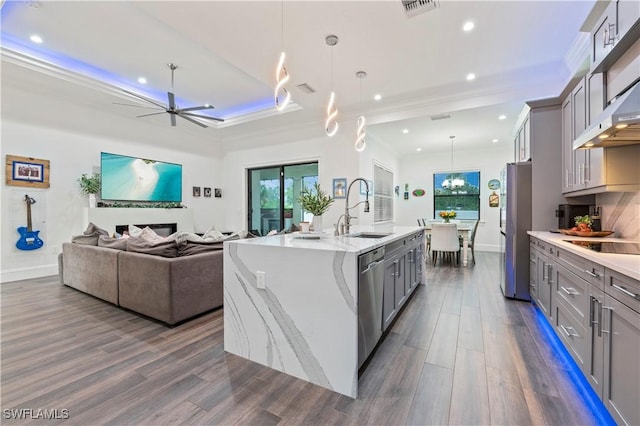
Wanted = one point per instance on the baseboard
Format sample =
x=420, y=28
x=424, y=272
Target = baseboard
x=27, y=273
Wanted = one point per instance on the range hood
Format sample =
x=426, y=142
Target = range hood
x=618, y=124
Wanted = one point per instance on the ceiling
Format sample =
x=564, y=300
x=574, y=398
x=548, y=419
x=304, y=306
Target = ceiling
x=227, y=52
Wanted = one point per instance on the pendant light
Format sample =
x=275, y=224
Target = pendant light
x=331, y=125
x=361, y=144
x=281, y=95
x=452, y=183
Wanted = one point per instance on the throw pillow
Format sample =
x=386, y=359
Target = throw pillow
x=150, y=235
x=212, y=234
x=93, y=229
x=188, y=248
x=164, y=248
x=113, y=243
x=89, y=240
x=134, y=231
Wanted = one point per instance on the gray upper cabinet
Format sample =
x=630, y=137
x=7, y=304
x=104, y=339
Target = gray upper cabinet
x=567, y=146
x=614, y=32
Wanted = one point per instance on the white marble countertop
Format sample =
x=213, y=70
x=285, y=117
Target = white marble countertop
x=627, y=264
x=328, y=241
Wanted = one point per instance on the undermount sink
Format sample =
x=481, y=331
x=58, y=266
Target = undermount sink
x=370, y=235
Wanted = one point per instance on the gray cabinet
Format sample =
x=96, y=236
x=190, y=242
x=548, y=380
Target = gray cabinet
x=402, y=273
x=621, y=385
x=614, y=32
x=595, y=312
x=567, y=146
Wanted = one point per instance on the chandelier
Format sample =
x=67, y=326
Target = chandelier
x=452, y=182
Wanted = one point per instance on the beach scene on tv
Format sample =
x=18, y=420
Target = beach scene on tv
x=137, y=179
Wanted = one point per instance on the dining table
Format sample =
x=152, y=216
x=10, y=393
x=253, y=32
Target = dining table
x=464, y=229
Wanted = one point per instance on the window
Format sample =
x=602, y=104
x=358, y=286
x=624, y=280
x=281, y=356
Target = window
x=382, y=194
x=273, y=196
x=457, y=191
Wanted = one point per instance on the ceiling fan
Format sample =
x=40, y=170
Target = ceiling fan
x=171, y=108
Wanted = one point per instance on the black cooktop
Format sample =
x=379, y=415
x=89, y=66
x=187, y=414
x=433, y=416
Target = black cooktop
x=608, y=247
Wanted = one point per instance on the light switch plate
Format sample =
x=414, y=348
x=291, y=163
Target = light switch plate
x=261, y=279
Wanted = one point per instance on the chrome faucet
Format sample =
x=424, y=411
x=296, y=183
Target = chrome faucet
x=347, y=217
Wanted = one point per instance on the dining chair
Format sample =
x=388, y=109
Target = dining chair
x=444, y=239
x=470, y=241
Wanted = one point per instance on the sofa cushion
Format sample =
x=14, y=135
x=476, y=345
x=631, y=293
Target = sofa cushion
x=187, y=248
x=164, y=248
x=114, y=243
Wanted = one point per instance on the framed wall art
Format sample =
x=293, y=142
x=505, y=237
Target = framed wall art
x=340, y=188
x=207, y=192
x=196, y=191
x=27, y=171
x=218, y=192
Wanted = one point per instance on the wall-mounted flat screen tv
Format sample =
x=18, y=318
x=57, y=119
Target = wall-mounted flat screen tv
x=139, y=179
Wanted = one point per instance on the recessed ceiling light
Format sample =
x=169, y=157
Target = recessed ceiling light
x=142, y=80
x=494, y=140
x=377, y=96
x=418, y=149
x=471, y=76
x=468, y=26
x=405, y=131
x=36, y=38
x=502, y=117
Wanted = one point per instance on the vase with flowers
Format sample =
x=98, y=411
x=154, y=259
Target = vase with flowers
x=448, y=215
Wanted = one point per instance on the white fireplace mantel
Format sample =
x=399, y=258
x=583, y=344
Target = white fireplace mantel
x=108, y=218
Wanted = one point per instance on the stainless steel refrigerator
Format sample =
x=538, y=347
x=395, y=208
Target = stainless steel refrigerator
x=515, y=221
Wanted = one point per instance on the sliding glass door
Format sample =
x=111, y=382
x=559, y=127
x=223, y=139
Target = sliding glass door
x=273, y=194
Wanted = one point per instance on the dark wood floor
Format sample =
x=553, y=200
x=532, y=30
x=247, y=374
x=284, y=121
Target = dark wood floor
x=459, y=354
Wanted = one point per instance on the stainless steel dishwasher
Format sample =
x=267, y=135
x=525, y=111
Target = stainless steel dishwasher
x=370, y=288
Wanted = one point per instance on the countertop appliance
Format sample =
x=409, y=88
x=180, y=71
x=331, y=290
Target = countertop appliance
x=515, y=221
x=370, y=291
x=608, y=246
x=567, y=212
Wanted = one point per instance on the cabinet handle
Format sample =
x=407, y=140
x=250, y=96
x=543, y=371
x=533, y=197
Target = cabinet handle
x=567, y=332
x=591, y=309
x=627, y=292
x=396, y=270
x=411, y=257
x=550, y=270
x=599, y=317
x=610, y=309
x=570, y=291
x=593, y=273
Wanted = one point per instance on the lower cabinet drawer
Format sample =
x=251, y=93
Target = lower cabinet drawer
x=572, y=333
x=623, y=288
x=574, y=291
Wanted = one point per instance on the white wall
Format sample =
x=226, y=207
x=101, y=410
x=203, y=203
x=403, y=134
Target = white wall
x=418, y=170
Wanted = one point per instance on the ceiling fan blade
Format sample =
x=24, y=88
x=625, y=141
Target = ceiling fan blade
x=153, y=113
x=206, y=117
x=173, y=119
x=191, y=120
x=144, y=98
x=172, y=100
x=197, y=108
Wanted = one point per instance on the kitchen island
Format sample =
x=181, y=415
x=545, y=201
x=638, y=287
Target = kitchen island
x=291, y=301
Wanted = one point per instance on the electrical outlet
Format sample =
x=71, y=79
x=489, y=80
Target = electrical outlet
x=261, y=279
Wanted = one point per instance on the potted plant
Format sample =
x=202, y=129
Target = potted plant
x=90, y=185
x=317, y=202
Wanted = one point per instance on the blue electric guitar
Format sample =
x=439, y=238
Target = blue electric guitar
x=29, y=239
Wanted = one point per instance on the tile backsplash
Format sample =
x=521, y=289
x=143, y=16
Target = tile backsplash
x=621, y=213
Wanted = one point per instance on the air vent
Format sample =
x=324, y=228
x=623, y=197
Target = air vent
x=440, y=117
x=306, y=88
x=416, y=7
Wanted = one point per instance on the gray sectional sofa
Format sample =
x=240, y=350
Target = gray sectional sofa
x=169, y=289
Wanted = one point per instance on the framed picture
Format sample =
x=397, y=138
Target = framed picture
x=218, y=192
x=27, y=171
x=363, y=187
x=196, y=191
x=340, y=188
x=207, y=192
